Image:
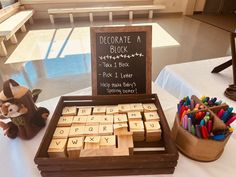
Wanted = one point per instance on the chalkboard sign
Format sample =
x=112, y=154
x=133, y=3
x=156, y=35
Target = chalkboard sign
x=121, y=60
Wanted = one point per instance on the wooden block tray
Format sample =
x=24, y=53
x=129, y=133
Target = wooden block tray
x=143, y=161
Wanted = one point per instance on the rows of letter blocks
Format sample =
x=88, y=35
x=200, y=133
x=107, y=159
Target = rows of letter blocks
x=104, y=130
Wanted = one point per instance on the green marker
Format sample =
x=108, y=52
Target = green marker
x=193, y=130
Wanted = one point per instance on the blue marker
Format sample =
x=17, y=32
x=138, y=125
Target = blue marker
x=219, y=137
x=226, y=114
x=202, y=122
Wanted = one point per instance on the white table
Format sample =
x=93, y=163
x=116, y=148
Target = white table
x=16, y=156
x=195, y=78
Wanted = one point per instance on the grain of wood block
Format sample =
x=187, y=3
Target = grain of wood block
x=99, y=110
x=123, y=108
x=108, y=141
x=80, y=120
x=61, y=132
x=74, y=146
x=69, y=111
x=57, y=148
x=151, y=116
x=91, y=129
x=120, y=118
x=65, y=121
x=106, y=119
x=84, y=111
x=92, y=142
x=136, y=107
x=121, y=128
x=105, y=129
x=112, y=110
x=76, y=130
x=134, y=116
x=149, y=107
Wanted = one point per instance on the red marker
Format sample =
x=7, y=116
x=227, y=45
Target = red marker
x=204, y=132
x=230, y=120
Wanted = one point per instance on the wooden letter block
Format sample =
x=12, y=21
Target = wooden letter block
x=92, y=142
x=84, y=111
x=91, y=130
x=151, y=116
x=120, y=118
x=112, y=110
x=65, y=121
x=136, y=107
x=137, y=128
x=134, y=116
x=61, y=132
x=108, y=141
x=126, y=141
x=153, y=131
x=80, y=120
x=123, y=108
x=93, y=120
x=76, y=130
x=148, y=107
x=57, y=148
x=106, y=119
x=74, y=146
x=69, y=111
x=99, y=110
x=121, y=129
x=105, y=129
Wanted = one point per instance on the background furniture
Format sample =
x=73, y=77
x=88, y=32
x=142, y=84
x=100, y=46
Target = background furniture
x=12, y=18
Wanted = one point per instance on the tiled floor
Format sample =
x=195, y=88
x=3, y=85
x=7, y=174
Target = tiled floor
x=57, y=58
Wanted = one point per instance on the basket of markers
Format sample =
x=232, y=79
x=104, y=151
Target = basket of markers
x=202, y=127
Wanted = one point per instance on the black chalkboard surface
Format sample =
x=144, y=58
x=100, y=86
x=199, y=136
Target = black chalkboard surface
x=121, y=60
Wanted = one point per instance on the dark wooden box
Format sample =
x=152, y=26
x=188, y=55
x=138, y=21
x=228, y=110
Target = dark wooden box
x=140, y=163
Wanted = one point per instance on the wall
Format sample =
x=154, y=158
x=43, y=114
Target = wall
x=199, y=6
x=172, y=5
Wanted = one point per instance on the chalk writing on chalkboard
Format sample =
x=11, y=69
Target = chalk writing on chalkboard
x=121, y=61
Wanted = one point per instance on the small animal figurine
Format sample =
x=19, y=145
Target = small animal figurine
x=17, y=104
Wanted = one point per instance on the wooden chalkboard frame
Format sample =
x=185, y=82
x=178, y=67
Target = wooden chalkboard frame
x=146, y=29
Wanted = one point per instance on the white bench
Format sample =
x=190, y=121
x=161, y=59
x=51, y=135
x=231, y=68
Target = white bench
x=11, y=20
x=90, y=11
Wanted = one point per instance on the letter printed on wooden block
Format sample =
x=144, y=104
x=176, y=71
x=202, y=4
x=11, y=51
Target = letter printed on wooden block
x=91, y=130
x=136, y=107
x=74, y=146
x=69, y=111
x=108, y=141
x=151, y=116
x=57, y=148
x=105, y=129
x=92, y=142
x=134, y=116
x=106, y=119
x=93, y=120
x=149, y=107
x=76, y=130
x=61, y=132
x=84, y=111
x=65, y=121
x=99, y=110
x=123, y=108
x=112, y=110
x=120, y=118
x=81, y=120
x=120, y=129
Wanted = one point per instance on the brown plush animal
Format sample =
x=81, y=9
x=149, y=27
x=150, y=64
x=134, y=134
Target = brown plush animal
x=18, y=105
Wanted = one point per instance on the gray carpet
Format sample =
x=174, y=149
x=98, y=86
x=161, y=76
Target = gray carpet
x=224, y=21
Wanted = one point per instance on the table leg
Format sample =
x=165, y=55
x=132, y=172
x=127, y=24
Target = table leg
x=31, y=20
x=71, y=18
x=150, y=15
x=51, y=19
x=130, y=15
x=13, y=39
x=110, y=16
x=3, y=50
x=23, y=28
x=91, y=17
